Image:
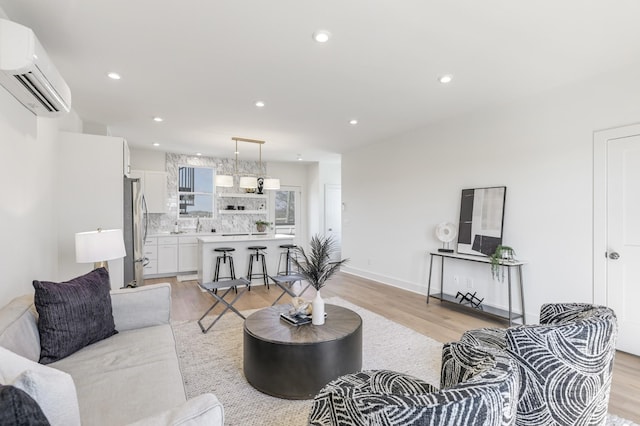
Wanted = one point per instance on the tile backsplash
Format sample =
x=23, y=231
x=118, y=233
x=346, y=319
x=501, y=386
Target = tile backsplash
x=222, y=223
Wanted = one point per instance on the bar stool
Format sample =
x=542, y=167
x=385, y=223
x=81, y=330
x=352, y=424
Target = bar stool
x=225, y=255
x=257, y=255
x=287, y=255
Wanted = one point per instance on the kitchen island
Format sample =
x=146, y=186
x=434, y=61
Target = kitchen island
x=207, y=257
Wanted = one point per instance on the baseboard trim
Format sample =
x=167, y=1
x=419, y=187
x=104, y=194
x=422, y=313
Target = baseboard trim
x=385, y=279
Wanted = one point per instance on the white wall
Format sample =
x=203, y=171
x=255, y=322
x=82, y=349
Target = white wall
x=148, y=159
x=89, y=195
x=540, y=148
x=27, y=222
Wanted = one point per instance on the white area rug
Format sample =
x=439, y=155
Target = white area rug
x=212, y=362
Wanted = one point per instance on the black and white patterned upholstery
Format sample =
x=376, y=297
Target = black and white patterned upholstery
x=565, y=363
x=484, y=392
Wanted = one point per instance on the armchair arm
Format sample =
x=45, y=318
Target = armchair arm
x=553, y=313
x=140, y=307
x=390, y=382
x=203, y=410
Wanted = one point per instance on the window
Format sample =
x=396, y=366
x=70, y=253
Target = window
x=285, y=208
x=195, y=192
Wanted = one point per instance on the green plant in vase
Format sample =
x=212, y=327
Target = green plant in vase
x=261, y=225
x=317, y=266
x=502, y=254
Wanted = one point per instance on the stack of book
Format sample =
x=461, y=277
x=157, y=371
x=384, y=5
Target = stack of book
x=296, y=319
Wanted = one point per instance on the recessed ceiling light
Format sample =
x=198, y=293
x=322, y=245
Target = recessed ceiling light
x=444, y=79
x=259, y=104
x=114, y=76
x=155, y=144
x=158, y=119
x=322, y=36
x=198, y=154
x=299, y=157
x=353, y=122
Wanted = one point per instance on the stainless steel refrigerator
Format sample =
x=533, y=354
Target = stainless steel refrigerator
x=135, y=232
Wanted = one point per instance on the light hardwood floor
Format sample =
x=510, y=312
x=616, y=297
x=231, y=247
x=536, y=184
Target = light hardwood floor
x=442, y=322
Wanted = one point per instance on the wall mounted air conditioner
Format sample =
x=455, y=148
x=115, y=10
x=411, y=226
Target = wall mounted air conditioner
x=28, y=74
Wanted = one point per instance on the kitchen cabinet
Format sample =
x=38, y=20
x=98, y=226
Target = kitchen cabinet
x=150, y=251
x=187, y=254
x=126, y=159
x=154, y=188
x=167, y=255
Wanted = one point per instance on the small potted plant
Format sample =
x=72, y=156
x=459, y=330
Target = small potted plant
x=317, y=267
x=262, y=225
x=502, y=254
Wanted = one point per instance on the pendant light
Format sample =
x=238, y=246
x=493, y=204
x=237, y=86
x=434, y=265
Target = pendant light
x=248, y=182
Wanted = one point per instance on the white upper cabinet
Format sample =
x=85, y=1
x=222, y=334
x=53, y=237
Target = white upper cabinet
x=154, y=188
x=126, y=159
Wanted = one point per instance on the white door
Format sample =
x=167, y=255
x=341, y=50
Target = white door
x=333, y=216
x=617, y=248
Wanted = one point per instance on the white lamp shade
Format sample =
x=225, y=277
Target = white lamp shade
x=270, y=183
x=224, y=181
x=248, y=182
x=100, y=245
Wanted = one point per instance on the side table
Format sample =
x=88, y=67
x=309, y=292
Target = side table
x=489, y=310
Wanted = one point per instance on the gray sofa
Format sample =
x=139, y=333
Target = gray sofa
x=132, y=377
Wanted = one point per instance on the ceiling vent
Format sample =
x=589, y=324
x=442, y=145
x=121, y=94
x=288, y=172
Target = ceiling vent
x=28, y=74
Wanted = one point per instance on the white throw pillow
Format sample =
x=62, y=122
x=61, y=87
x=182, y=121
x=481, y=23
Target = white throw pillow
x=52, y=389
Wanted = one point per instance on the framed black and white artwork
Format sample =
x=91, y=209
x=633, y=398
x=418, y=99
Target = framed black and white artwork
x=481, y=220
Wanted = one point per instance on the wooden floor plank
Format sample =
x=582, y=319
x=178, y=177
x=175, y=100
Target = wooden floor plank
x=442, y=322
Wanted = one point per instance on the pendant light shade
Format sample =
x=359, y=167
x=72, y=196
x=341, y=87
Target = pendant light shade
x=224, y=181
x=248, y=182
x=271, y=183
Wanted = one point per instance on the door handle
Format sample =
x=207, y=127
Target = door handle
x=614, y=255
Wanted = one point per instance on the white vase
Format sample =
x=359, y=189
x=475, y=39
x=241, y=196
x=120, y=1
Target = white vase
x=317, y=312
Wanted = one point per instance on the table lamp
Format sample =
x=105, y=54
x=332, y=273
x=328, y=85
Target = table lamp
x=99, y=247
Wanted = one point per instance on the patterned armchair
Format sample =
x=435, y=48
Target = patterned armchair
x=483, y=391
x=565, y=363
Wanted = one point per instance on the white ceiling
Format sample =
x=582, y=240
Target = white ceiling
x=201, y=65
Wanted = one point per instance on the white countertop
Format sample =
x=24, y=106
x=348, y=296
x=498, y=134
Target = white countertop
x=252, y=237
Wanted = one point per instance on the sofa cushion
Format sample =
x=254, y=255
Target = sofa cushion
x=73, y=314
x=53, y=390
x=204, y=409
x=136, y=371
x=19, y=328
x=17, y=408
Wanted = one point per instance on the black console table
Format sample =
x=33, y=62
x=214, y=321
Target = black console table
x=489, y=310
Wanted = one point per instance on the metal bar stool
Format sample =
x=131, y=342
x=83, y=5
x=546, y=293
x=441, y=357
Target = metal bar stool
x=257, y=256
x=287, y=255
x=224, y=257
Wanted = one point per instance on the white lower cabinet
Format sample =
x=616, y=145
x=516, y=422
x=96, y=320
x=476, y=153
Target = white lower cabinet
x=167, y=255
x=187, y=254
x=170, y=255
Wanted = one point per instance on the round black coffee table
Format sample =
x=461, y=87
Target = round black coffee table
x=292, y=362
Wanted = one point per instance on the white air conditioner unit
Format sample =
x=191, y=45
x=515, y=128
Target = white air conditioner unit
x=28, y=74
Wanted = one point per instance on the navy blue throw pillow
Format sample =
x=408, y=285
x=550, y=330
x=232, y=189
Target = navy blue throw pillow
x=17, y=408
x=73, y=314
